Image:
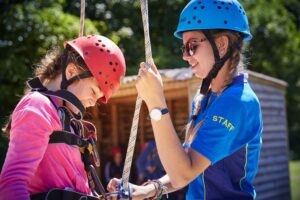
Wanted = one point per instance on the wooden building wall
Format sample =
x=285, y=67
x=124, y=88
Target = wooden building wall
x=272, y=180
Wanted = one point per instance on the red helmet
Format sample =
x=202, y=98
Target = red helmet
x=104, y=59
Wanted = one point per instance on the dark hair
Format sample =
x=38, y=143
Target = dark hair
x=50, y=67
x=236, y=65
x=52, y=64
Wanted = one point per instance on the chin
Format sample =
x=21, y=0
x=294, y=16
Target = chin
x=201, y=76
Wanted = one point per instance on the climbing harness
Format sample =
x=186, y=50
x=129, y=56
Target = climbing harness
x=83, y=136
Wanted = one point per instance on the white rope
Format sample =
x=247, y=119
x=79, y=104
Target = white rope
x=134, y=127
x=82, y=12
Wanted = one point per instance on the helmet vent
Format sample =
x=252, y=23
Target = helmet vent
x=104, y=59
x=213, y=14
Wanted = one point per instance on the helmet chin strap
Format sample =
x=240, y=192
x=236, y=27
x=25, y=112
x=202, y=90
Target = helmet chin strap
x=64, y=82
x=67, y=96
x=219, y=62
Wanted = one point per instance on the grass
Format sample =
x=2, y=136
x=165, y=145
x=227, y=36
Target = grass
x=295, y=179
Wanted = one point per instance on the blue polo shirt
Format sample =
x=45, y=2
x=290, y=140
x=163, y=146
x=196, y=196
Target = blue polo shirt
x=230, y=138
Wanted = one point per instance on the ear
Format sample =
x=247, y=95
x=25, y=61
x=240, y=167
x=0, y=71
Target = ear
x=222, y=43
x=71, y=70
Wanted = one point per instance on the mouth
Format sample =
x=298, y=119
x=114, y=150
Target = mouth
x=91, y=103
x=194, y=65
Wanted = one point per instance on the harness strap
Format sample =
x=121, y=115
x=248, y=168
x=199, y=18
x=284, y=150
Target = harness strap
x=67, y=138
x=87, y=153
x=36, y=85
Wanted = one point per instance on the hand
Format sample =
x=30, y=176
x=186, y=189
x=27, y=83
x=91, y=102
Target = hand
x=138, y=192
x=150, y=86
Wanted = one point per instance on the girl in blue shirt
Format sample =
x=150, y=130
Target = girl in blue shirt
x=219, y=158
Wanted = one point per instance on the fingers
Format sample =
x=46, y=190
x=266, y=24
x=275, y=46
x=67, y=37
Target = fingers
x=113, y=185
x=145, y=67
x=153, y=66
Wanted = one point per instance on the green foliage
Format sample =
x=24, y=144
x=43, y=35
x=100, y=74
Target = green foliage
x=295, y=179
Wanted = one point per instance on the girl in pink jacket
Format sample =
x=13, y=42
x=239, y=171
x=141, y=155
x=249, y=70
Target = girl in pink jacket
x=51, y=147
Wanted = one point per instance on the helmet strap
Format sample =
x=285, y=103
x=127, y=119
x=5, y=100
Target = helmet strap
x=64, y=82
x=219, y=62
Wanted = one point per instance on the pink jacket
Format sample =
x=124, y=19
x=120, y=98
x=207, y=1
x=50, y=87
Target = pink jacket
x=32, y=165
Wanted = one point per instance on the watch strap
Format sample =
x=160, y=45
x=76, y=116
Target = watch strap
x=164, y=111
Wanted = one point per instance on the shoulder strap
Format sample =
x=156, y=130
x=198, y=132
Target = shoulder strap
x=67, y=138
x=36, y=85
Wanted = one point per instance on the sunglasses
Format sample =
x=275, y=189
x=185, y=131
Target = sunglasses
x=190, y=48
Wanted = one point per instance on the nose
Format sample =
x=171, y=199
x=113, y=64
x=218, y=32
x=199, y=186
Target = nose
x=186, y=57
x=99, y=94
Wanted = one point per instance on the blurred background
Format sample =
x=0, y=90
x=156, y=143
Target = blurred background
x=29, y=28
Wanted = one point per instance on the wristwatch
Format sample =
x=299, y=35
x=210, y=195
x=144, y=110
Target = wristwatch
x=156, y=113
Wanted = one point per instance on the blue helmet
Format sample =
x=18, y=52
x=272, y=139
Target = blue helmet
x=213, y=14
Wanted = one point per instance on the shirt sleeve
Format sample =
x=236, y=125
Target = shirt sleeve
x=224, y=129
x=32, y=124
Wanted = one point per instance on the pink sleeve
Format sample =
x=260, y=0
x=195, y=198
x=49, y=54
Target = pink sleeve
x=33, y=121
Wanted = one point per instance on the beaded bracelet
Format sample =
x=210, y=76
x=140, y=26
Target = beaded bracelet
x=155, y=187
x=159, y=191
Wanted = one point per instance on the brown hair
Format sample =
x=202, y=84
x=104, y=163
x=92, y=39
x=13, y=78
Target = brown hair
x=236, y=66
x=50, y=67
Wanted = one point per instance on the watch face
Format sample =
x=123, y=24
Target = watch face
x=155, y=114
